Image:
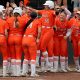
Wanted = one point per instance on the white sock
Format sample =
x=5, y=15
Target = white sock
x=45, y=54
x=9, y=67
x=33, y=67
x=56, y=59
x=37, y=57
x=13, y=67
x=5, y=64
x=42, y=63
x=51, y=61
x=67, y=62
x=25, y=67
x=62, y=61
x=76, y=59
x=18, y=67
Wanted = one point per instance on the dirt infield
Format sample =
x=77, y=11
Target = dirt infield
x=48, y=76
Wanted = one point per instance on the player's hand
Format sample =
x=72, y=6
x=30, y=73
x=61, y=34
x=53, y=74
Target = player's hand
x=7, y=4
x=13, y=5
x=62, y=7
x=65, y=37
x=37, y=40
x=70, y=38
x=55, y=28
x=79, y=43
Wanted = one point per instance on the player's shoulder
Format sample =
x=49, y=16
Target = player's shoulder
x=52, y=11
x=72, y=19
x=10, y=19
x=37, y=21
x=41, y=11
x=57, y=19
x=2, y=21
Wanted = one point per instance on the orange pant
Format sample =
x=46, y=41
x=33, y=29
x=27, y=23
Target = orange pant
x=15, y=46
x=56, y=45
x=9, y=55
x=60, y=46
x=76, y=47
x=46, y=42
x=3, y=47
x=29, y=47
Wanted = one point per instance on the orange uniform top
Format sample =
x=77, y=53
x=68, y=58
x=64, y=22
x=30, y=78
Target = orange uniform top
x=2, y=26
x=48, y=17
x=26, y=2
x=25, y=16
x=11, y=25
x=75, y=26
x=61, y=27
x=71, y=21
x=32, y=29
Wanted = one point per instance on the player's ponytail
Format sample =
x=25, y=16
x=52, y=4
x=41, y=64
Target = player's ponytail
x=33, y=15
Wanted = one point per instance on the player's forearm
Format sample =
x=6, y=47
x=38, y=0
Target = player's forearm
x=68, y=13
x=39, y=33
x=69, y=31
x=32, y=9
x=6, y=32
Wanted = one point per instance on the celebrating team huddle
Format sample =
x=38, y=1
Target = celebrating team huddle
x=41, y=35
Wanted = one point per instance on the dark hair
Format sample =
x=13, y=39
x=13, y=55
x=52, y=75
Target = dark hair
x=62, y=11
x=16, y=14
x=39, y=15
x=33, y=15
x=59, y=11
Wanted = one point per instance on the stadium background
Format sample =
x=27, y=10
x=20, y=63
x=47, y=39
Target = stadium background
x=38, y=5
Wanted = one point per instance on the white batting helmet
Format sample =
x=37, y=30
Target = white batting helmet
x=17, y=10
x=49, y=3
x=2, y=8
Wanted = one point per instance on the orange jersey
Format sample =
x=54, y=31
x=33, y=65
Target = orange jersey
x=75, y=25
x=26, y=2
x=25, y=16
x=71, y=21
x=2, y=27
x=61, y=26
x=32, y=29
x=48, y=17
x=11, y=25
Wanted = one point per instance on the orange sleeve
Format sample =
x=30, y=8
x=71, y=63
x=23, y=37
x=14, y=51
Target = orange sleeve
x=26, y=2
x=27, y=19
x=40, y=20
x=6, y=25
x=39, y=24
x=72, y=21
x=56, y=21
x=54, y=13
x=40, y=11
x=69, y=24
